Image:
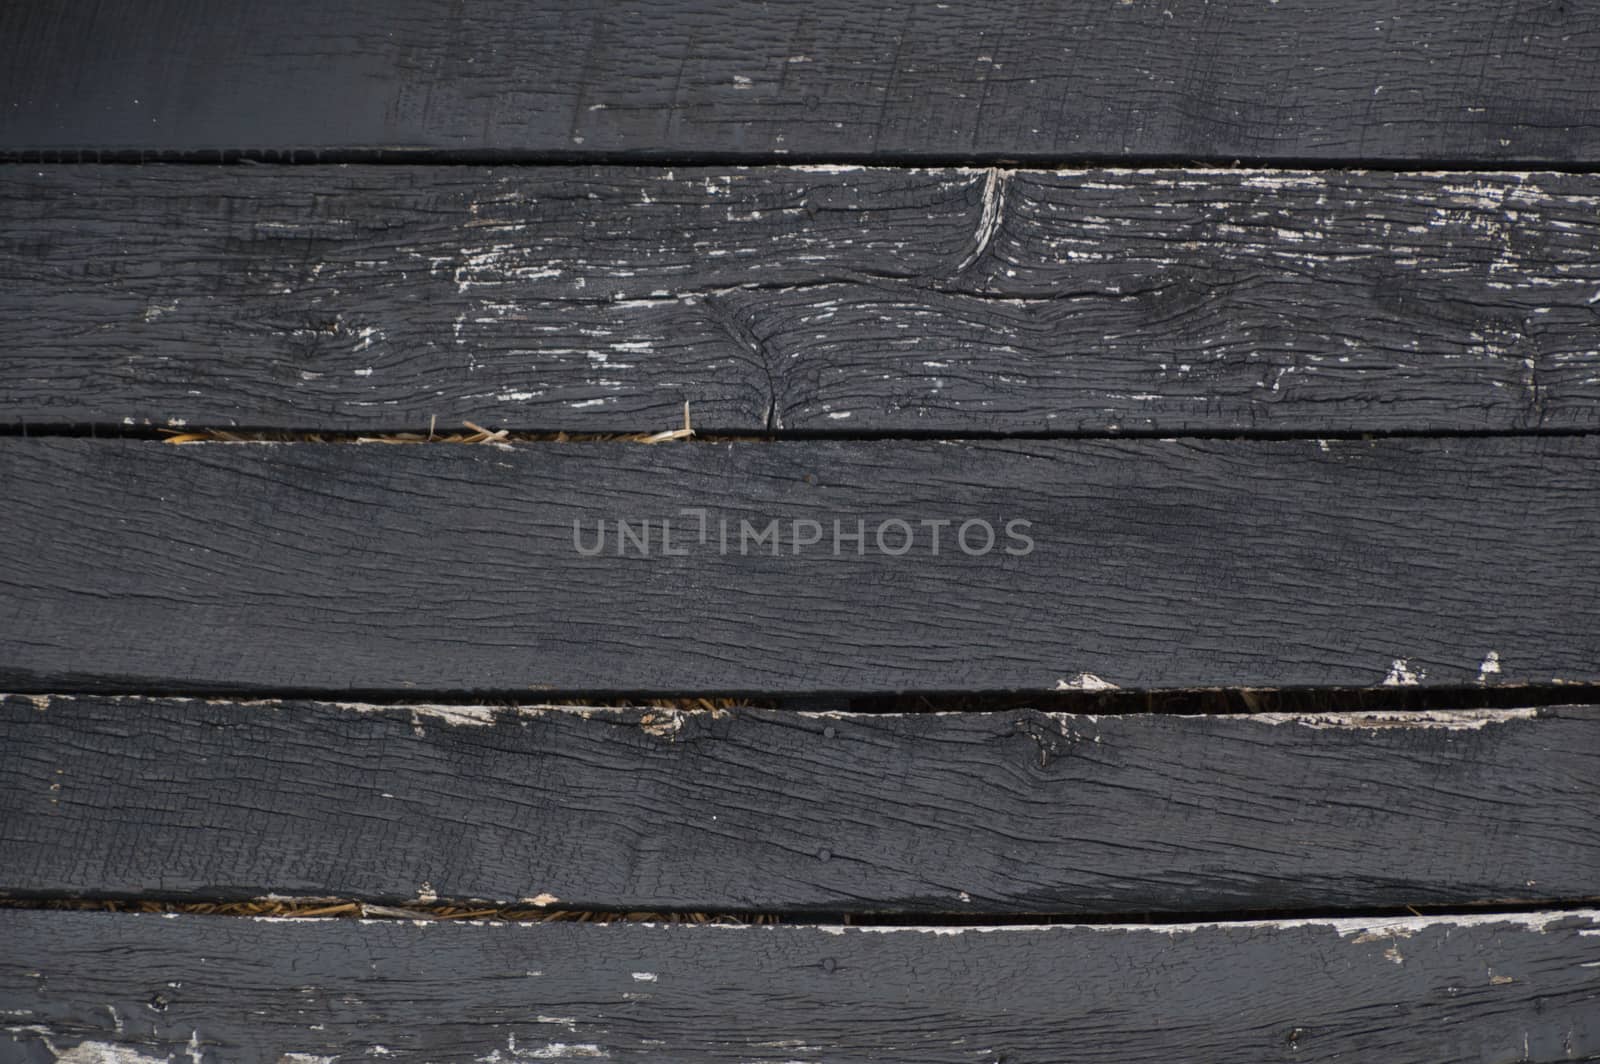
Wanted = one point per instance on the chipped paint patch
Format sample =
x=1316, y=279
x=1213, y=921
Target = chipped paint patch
x=1402, y=675
x=662, y=723
x=1490, y=666
x=994, y=200
x=106, y=1053
x=472, y=716
x=1085, y=681
x=559, y=1051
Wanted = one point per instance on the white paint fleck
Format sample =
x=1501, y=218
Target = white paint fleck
x=542, y=900
x=645, y=977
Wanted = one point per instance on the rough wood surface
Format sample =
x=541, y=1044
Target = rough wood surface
x=1384, y=80
x=84, y=987
x=770, y=811
x=823, y=300
x=150, y=568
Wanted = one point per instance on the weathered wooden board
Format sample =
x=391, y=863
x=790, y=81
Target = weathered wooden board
x=84, y=987
x=823, y=300
x=535, y=79
x=150, y=568
x=769, y=811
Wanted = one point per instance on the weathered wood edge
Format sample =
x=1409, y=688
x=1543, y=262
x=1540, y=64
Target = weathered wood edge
x=774, y=811
x=142, y=989
x=408, y=570
x=1374, y=80
x=799, y=299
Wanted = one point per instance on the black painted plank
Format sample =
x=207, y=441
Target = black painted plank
x=1488, y=988
x=767, y=811
x=1230, y=79
x=603, y=298
x=150, y=568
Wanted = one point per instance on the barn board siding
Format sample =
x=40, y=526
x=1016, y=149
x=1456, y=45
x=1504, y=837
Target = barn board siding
x=143, y=567
x=1361, y=80
x=205, y=989
x=783, y=299
x=770, y=811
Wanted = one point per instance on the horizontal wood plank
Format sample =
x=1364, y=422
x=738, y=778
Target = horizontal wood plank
x=768, y=811
x=139, y=989
x=820, y=300
x=1373, y=80
x=138, y=566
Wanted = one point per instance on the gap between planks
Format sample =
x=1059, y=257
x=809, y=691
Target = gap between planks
x=467, y=910
x=1398, y=702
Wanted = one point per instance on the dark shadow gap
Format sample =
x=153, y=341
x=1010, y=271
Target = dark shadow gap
x=637, y=157
x=447, y=434
x=446, y=911
x=1218, y=701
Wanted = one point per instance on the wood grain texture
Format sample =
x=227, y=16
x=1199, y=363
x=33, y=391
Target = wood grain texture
x=819, y=300
x=142, y=567
x=768, y=811
x=1492, y=988
x=1374, y=80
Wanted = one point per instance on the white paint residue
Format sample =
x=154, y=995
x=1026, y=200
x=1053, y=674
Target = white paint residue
x=1402, y=675
x=426, y=894
x=313, y=1058
x=106, y=1053
x=1446, y=719
x=1359, y=929
x=1085, y=681
x=644, y=977
x=564, y=1051
x=994, y=199
x=569, y=1022
x=461, y=715
x=542, y=900
x=1279, y=179
x=1490, y=666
